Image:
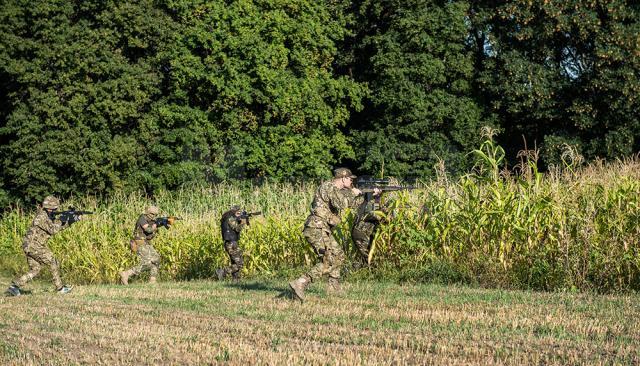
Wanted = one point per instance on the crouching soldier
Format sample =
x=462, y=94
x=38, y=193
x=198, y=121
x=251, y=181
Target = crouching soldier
x=35, y=247
x=232, y=224
x=369, y=216
x=148, y=258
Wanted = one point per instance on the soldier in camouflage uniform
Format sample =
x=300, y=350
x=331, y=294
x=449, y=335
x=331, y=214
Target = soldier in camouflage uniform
x=148, y=258
x=231, y=225
x=329, y=200
x=369, y=215
x=35, y=247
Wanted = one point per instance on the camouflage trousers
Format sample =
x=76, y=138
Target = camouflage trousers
x=329, y=252
x=235, y=255
x=362, y=234
x=148, y=260
x=37, y=256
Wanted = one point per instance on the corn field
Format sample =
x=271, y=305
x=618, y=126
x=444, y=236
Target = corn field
x=572, y=228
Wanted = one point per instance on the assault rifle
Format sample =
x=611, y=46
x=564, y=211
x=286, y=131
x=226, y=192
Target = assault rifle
x=247, y=215
x=368, y=185
x=166, y=221
x=69, y=216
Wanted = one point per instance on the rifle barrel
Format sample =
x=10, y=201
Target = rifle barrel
x=387, y=188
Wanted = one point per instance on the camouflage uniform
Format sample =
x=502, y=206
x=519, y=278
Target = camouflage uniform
x=367, y=220
x=35, y=248
x=148, y=257
x=326, y=209
x=231, y=227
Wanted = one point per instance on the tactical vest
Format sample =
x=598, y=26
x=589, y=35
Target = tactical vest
x=138, y=231
x=228, y=234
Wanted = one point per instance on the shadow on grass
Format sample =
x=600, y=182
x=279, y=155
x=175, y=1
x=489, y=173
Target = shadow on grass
x=22, y=293
x=254, y=286
x=282, y=292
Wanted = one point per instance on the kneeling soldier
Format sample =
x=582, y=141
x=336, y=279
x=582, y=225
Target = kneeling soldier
x=35, y=247
x=232, y=224
x=369, y=216
x=148, y=258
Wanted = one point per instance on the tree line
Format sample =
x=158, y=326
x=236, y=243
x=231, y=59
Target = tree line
x=103, y=96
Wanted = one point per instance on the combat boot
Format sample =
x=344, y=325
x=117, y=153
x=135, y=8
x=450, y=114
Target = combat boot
x=221, y=274
x=298, y=286
x=124, y=277
x=13, y=290
x=235, y=277
x=333, y=286
x=65, y=289
x=153, y=280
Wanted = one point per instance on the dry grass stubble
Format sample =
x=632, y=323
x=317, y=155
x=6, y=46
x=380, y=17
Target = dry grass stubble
x=210, y=323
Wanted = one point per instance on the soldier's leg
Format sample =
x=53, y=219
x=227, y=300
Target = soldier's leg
x=362, y=234
x=43, y=255
x=316, y=238
x=235, y=258
x=144, y=260
x=319, y=239
x=154, y=264
x=334, y=260
x=237, y=262
x=362, y=245
x=34, y=270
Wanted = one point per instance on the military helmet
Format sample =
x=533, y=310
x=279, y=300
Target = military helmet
x=51, y=203
x=343, y=173
x=235, y=208
x=152, y=211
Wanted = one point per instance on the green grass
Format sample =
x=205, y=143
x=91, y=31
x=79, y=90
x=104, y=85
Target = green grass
x=255, y=322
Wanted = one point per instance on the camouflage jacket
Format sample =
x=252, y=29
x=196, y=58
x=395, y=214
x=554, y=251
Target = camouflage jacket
x=139, y=232
x=327, y=206
x=42, y=228
x=231, y=226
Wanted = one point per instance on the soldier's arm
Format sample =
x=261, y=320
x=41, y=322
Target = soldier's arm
x=235, y=224
x=48, y=225
x=148, y=227
x=341, y=199
x=328, y=193
x=352, y=200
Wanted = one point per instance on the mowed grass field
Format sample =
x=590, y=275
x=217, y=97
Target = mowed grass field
x=255, y=322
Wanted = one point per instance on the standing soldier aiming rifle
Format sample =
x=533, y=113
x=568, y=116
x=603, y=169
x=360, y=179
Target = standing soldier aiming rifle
x=329, y=200
x=148, y=258
x=34, y=245
x=231, y=224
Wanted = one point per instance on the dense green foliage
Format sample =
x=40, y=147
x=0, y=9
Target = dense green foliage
x=108, y=96
x=421, y=108
x=102, y=96
x=561, y=72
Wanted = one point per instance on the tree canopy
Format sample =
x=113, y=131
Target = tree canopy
x=105, y=96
